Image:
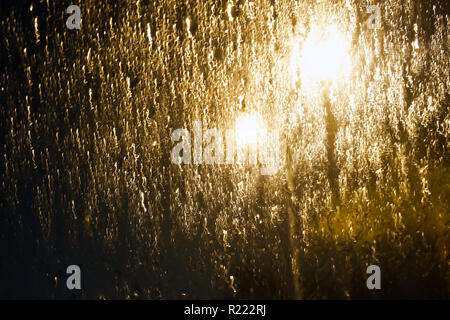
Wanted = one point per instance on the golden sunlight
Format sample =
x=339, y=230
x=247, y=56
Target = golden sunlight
x=323, y=56
x=248, y=127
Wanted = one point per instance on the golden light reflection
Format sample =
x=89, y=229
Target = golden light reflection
x=248, y=128
x=323, y=56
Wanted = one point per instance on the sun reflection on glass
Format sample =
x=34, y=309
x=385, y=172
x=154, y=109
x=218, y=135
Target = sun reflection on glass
x=323, y=56
x=248, y=128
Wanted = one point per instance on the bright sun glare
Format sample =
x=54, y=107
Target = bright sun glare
x=247, y=129
x=324, y=55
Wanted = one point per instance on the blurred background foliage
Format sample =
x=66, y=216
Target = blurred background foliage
x=86, y=178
